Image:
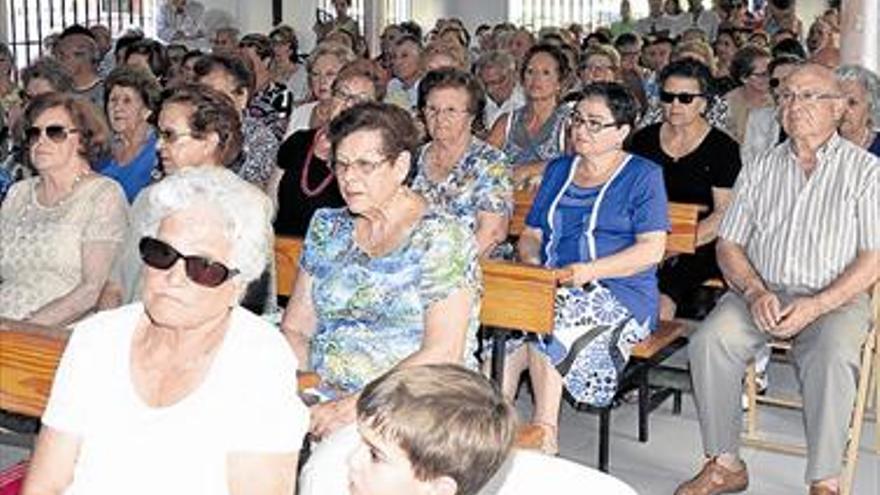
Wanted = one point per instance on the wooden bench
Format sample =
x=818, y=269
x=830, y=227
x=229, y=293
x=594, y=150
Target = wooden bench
x=522, y=297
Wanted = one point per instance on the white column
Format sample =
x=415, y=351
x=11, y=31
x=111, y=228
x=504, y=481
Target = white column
x=374, y=18
x=860, y=34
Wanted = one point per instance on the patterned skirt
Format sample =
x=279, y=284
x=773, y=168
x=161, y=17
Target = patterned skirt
x=591, y=342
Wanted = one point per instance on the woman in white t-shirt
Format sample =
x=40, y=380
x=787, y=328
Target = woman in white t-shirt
x=185, y=392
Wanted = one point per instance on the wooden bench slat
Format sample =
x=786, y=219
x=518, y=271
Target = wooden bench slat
x=518, y=296
x=667, y=332
x=28, y=361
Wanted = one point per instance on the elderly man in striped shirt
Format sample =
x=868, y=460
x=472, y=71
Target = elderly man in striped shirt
x=800, y=248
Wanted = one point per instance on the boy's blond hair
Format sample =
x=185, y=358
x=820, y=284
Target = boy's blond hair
x=449, y=420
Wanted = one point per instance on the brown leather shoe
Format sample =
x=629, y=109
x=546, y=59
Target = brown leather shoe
x=822, y=490
x=715, y=479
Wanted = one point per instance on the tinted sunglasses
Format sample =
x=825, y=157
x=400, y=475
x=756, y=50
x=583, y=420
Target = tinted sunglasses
x=161, y=256
x=685, y=98
x=56, y=133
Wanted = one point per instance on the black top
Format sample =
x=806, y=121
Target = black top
x=690, y=179
x=295, y=206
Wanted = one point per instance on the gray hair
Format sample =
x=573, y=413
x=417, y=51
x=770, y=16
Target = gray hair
x=499, y=59
x=870, y=82
x=245, y=210
x=342, y=53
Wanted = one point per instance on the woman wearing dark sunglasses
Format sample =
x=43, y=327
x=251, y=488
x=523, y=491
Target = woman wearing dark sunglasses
x=700, y=164
x=185, y=392
x=60, y=230
x=384, y=282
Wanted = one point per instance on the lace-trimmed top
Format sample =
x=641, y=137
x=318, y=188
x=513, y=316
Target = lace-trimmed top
x=41, y=247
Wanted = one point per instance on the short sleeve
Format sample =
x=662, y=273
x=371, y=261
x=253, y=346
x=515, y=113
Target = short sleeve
x=868, y=209
x=547, y=191
x=649, y=204
x=494, y=188
x=276, y=418
x=449, y=262
x=109, y=219
x=736, y=226
x=724, y=170
x=66, y=409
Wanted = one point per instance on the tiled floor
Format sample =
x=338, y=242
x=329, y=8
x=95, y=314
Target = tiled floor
x=673, y=452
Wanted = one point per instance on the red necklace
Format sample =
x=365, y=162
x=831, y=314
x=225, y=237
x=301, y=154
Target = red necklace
x=304, y=178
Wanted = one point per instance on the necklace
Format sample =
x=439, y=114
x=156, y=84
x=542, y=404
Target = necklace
x=60, y=202
x=304, y=178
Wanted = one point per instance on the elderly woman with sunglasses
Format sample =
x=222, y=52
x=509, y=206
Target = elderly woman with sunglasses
x=457, y=172
x=304, y=180
x=60, y=230
x=700, y=164
x=600, y=214
x=384, y=282
x=145, y=395
x=861, y=120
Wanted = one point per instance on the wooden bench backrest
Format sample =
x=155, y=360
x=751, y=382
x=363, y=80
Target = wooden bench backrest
x=683, y=218
x=28, y=360
x=287, y=253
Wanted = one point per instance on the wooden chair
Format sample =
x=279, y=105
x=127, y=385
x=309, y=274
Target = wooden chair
x=868, y=372
x=29, y=355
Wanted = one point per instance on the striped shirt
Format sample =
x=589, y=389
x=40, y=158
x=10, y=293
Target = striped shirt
x=802, y=232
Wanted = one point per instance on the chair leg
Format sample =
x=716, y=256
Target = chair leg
x=644, y=405
x=604, y=437
x=499, y=341
x=858, y=416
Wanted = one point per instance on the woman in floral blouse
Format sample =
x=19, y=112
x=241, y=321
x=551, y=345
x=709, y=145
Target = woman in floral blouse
x=457, y=172
x=384, y=282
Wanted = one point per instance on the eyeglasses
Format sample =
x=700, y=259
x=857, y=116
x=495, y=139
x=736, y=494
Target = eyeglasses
x=810, y=97
x=684, y=98
x=351, y=98
x=56, y=133
x=203, y=271
x=759, y=75
x=171, y=136
x=434, y=112
x=363, y=167
x=592, y=126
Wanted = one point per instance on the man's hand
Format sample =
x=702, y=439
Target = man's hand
x=796, y=316
x=330, y=416
x=765, y=309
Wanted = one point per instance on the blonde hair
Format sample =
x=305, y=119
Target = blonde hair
x=449, y=420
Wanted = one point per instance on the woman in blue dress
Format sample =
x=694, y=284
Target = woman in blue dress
x=601, y=214
x=132, y=98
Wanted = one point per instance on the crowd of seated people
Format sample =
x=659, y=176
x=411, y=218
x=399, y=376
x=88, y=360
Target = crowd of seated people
x=398, y=170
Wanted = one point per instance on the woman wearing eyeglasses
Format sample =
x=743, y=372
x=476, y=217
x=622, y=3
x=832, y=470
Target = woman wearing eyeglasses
x=600, y=214
x=132, y=98
x=185, y=392
x=457, y=172
x=60, y=230
x=700, y=164
x=197, y=127
x=384, y=282
x=305, y=179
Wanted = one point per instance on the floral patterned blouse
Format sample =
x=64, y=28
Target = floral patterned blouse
x=371, y=311
x=481, y=181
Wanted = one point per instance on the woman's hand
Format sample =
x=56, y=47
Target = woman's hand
x=330, y=416
x=578, y=274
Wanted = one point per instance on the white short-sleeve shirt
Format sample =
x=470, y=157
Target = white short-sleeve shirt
x=247, y=403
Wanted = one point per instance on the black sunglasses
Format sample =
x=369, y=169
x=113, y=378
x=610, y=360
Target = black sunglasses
x=685, y=98
x=160, y=255
x=57, y=133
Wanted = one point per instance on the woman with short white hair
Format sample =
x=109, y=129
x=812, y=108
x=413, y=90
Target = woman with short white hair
x=862, y=116
x=185, y=392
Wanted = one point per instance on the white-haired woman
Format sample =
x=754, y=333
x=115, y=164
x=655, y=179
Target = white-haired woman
x=862, y=116
x=145, y=394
